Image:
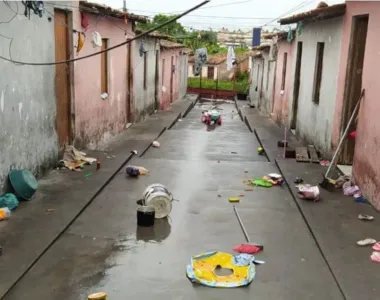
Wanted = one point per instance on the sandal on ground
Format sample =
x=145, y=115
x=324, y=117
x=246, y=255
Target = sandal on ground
x=365, y=217
x=366, y=242
x=376, y=247
x=375, y=257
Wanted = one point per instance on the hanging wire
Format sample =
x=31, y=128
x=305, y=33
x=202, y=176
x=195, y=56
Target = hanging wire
x=113, y=47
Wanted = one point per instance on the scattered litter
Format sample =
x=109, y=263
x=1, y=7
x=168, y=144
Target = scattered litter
x=341, y=181
x=146, y=216
x=261, y=182
x=98, y=164
x=234, y=199
x=73, y=159
x=87, y=175
x=275, y=180
x=375, y=257
x=309, y=193
x=246, y=171
x=361, y=199
x=350, y=190
x=9, y=200
x=50, y=210
x=219, y=196
x=244, y=259
x=282, y=144
x=376, y=247
x=324, y=163
x=248, y=248
x=211, y=118
x=24, y=183
x=135, y=171
x=303, y=260
x=134, y=152
x=5, y=213
x=275, y=175
x=202, y=269
x=97, y=296
x=365, y=218
x=179, y=120
x=298, y=180
x=158, y=196
x=260, y=151
x=366, y=242
x=248, y=190
x=156, y=144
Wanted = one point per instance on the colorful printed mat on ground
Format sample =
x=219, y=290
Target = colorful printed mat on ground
x=202, y=269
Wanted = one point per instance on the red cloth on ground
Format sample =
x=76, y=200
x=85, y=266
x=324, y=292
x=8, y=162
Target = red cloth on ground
x=248, y=249
x=353, y=134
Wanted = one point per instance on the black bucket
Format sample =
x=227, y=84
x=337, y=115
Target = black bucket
x=145, y=216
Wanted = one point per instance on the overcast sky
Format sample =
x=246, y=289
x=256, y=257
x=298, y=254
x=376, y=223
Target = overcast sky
x=233, y=14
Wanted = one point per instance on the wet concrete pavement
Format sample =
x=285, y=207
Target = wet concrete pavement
x=105, y=250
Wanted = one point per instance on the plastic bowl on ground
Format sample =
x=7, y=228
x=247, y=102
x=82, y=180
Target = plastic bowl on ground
x=23, y=183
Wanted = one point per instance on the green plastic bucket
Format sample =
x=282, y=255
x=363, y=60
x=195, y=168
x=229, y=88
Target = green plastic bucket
x=23, y=183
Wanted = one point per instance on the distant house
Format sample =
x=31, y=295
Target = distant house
x=160, y=73
x=172, y=72
x=359, y=68
x=216, y=67
x=101, y=86
x=262, y=78
x=284, y=78
x=211, y=70
x=314, y=85
x=145, y=93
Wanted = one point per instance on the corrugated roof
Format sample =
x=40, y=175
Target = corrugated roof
x=97, y=8
x=320, y=13
x=170, y=45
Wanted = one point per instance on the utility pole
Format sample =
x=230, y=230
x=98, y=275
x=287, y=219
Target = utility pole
x=125, y=5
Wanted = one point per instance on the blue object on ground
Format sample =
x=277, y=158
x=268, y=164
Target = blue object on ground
x=131, y=171
x=9, y=200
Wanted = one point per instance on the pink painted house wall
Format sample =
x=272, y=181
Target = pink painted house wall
x=166, y=56
x=280, y=105
x=366, y=159
x=97, y=120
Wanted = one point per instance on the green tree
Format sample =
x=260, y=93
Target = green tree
x=174, y=29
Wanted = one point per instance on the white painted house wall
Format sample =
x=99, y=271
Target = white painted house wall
x=315, y=121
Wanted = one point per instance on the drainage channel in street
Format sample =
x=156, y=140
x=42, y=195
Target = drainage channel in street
x=104, y=250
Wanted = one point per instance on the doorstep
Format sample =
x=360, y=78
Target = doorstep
x=64, y=194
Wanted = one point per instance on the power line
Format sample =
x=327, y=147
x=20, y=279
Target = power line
x=298, y=6
x=213, y=17
x=113, y=47
x=220, y=5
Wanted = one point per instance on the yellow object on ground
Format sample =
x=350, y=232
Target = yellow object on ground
x=98, y=296
x=202, y=270
x=234, y=199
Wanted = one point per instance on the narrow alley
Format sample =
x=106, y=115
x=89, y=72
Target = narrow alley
x=104, y=249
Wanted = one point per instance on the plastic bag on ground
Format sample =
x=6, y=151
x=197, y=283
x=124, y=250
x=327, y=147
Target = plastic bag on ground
x=136, y=171
x=309, y=193
x=9, y=200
